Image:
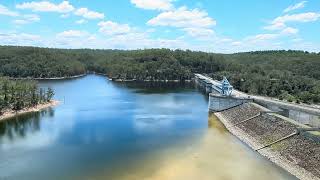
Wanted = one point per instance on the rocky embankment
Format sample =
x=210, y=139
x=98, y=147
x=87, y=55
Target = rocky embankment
x=299, y=154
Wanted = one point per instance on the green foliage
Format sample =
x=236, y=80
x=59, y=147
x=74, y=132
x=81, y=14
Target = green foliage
x=19, y=94
x=49, y=94
x=286, y=96
x=267, y=73
x=38, y=62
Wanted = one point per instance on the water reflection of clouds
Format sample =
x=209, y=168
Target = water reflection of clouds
x=49, y=130
x=96, y=136
x=159, y=112
x=151, y=123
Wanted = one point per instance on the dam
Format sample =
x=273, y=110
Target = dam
x=285, y=133
x=304, y=114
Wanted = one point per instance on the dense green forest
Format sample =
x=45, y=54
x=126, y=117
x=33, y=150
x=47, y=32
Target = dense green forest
x=290, y=75
x=19, y=94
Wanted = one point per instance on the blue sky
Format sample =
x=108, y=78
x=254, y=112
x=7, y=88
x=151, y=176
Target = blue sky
x=207, y=25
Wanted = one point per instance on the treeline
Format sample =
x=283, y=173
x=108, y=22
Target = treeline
x=290, y=75
x=19, y=94
x=38, y=62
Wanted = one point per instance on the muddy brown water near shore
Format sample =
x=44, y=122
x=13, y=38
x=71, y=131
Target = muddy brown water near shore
x=213, y=156
x=106, y=130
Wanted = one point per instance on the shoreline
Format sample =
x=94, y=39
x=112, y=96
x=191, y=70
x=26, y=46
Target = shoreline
x=268, y=153
x=10, y=113
x=101, y=74
x=158, y=80
x=52, y=78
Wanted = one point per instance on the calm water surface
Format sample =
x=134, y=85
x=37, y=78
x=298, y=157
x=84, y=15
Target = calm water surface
x=105, y=130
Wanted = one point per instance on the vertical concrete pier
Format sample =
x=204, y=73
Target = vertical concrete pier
x=208, y=86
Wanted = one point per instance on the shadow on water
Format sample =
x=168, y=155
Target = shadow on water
x=157, y=87
x=22, y=125
x=161, y=87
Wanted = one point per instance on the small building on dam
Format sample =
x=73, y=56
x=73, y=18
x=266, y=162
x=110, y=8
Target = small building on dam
x=221, y=95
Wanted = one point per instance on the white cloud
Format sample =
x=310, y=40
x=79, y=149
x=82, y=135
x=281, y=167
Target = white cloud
x=263, y=37
x=151, y=30
x=23, y=19
x=5, y=11
x=122, y=36
x=280, y=23
x=112, y=28
x=20, y=21
x=76, y=39
x=64, y=15
x=26, y=19
x=236, y=43
x=19, y=39
x=297, y=40
x=46, y=6
x=86, y=13
x=266, y=41
x=131, y=40
x=275, y=26
x=92, y=37
x=81, y=21
x=72, y=34
x=199, y=32
x=289, y=31
x=183, y=18
x=153, y=4
x=299, y=5
x=301, y=17
x=142, y=41
x=195, y=23
x=32, y=17
x=224, y=40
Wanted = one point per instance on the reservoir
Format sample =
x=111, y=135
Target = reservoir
x=116, y=131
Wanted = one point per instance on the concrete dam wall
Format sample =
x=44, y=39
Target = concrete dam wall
x=280, y=131
x=219, y=103
x=303, y=114
x=276, y=138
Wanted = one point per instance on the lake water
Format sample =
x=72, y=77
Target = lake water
x=107, y=130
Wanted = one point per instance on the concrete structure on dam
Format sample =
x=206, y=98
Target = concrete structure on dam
x=291, y=142
x=221, y=94
x=222, y=97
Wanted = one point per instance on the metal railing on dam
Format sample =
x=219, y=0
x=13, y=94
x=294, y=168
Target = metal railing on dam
x=303, y=114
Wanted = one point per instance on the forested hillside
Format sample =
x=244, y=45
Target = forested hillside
x=19, y=94
x=290, y=75
x=36, y=62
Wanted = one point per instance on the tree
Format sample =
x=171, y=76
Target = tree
x=2, y=106
x=42, y=95
x=49, y=94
